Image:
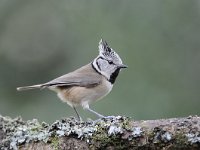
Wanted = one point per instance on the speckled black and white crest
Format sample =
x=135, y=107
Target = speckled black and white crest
x=108, y=53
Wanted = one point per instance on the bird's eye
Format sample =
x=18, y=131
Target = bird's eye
x=110, y=62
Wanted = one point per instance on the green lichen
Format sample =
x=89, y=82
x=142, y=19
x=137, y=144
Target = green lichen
x=116, y=131
x=106, y=131
x=126, y=124
x=109, y=133
x=180, y=139
x=54, y=143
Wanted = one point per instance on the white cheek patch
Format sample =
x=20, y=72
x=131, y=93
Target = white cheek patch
x=103, y=68
x=97, y=66
x=94, y=63
x=106, y=75
x=103, y=64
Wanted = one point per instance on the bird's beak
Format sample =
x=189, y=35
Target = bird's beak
x=123, y=66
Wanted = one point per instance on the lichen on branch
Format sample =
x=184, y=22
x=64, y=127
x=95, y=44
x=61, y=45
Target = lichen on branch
x=116, y=132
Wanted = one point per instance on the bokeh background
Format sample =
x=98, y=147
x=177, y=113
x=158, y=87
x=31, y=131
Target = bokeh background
x=158, y=40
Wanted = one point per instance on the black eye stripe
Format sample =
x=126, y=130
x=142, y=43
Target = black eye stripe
x=109, y=61
x=98, y=65
x=101, y=58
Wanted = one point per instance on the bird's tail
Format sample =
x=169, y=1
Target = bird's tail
x=38, y=86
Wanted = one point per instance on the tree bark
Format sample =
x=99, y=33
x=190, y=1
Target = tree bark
x=110, y=133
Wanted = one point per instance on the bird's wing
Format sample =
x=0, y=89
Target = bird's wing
x=75, y=79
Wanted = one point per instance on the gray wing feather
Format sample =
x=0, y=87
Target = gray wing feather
x=75, y=79
x=84, y=76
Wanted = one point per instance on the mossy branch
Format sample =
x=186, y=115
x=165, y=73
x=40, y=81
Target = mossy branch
x=107, y=133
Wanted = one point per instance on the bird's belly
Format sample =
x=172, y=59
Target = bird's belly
x=82, y=96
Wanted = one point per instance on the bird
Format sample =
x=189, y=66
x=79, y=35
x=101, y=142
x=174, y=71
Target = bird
x=87, y=84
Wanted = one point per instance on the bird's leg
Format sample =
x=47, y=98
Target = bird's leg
x=79, y=118
x=96, y=113
x=92, y=111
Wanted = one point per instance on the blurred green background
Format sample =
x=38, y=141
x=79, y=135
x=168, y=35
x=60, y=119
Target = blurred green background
x=158, y=40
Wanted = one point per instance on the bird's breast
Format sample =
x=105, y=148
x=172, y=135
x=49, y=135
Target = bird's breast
x=82, y=95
